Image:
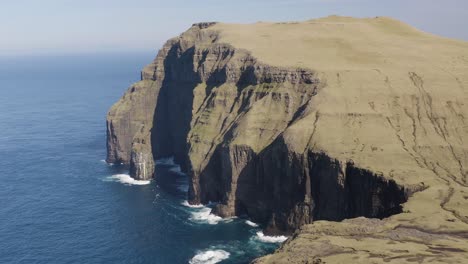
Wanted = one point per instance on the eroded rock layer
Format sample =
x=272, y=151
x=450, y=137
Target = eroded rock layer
x=328, y=119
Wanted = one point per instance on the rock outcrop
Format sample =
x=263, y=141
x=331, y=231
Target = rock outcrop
x=328, y=119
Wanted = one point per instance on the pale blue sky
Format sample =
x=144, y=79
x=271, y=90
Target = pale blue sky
x=77, y=26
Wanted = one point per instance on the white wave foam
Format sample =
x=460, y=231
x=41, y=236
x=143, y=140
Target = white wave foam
x=270, y=239
x=126, y=179
x=250, y=223
x=186, y=203
x=204, y=215
x=209, y=257
x=108, y=163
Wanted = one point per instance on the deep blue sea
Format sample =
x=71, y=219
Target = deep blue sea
x=61, y=203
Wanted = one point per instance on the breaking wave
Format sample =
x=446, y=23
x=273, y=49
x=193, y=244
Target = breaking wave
x=107, y=163
x=209, y=257
x=204, y=215
x=201, y=214
x=250, y=223
x=270, y=239
x=126, y=179
x=186, y=203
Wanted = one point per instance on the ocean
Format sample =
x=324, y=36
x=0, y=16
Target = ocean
x=61, y=203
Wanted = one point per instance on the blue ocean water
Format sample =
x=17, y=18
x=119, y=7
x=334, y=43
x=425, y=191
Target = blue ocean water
x=61, y=203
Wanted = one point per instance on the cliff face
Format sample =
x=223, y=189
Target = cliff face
x=291, y=123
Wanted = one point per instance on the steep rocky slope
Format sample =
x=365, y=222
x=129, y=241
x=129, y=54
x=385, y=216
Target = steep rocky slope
x=327, y=119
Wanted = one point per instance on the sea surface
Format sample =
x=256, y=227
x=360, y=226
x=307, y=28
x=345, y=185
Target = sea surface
x=61, y=203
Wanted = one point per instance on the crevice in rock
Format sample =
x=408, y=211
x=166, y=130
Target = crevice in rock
x=173, y=112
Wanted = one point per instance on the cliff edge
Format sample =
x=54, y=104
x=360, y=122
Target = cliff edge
x=302, y=124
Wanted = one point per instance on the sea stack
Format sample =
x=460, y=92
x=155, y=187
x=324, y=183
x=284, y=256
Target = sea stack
x=301, y=125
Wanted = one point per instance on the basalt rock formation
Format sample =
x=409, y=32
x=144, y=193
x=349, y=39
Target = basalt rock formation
x=292, y=124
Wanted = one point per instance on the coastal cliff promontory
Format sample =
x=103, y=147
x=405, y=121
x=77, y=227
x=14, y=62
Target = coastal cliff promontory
x=299, y=125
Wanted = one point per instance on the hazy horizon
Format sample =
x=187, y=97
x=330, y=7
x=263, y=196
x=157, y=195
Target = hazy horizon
x=70, y=27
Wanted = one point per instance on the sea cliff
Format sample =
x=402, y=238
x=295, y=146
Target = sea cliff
x=293, y=124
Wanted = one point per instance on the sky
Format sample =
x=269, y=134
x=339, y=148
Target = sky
x=89, y=26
